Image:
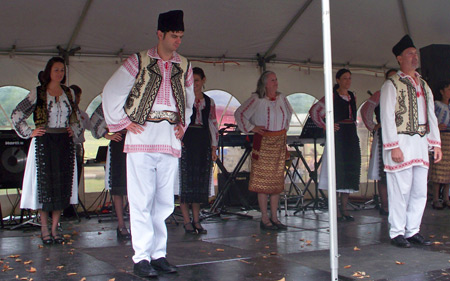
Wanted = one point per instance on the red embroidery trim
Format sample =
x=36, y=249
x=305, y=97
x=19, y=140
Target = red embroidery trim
x=391, y=144
x=433, y=142
x=407, y=164
x=242, y=115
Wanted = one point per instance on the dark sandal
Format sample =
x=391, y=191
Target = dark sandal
x=267, y=226
x=190, y=231
x=58, y=239
x=123, y=236
x=47, y=239
x=200, y=230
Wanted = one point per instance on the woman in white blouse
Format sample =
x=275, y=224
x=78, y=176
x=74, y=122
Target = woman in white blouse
x=267, y=114
x=347, y=150
x=50, y=183
x=198, y=153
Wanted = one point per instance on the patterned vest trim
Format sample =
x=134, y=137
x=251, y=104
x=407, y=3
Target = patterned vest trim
x=406, y=109
x=148, y=81
x=40, y=114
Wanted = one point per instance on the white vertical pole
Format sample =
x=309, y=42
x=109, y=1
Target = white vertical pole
x=328, y=84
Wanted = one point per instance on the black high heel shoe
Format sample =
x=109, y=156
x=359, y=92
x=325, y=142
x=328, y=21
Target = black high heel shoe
x=279, y=225
x=383, y=212
x=122, y=236
x=348, y=218
x=200, y=230
x=189, y=231
x=267, y=226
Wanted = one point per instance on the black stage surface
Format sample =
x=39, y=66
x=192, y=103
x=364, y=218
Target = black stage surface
x=236, y=249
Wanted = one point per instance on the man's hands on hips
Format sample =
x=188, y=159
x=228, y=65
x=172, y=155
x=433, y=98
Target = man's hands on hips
x=135, y=128
x=397, y=155
x=437, y=154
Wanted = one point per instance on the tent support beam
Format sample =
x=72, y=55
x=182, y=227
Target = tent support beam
x=77, y=29
x=403, y=15
x=268, y=56
x=67, y=53
x=329, y=117
x=287, y=28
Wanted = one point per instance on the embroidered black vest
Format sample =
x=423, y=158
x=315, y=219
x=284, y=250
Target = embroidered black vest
x=40, y=114
x=148, y=81
x=205, y=112
x=406, y=109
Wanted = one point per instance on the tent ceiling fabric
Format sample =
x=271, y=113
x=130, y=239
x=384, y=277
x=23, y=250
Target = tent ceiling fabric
x=363, y=32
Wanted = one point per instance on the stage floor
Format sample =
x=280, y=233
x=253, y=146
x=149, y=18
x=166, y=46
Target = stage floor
x=236, y=249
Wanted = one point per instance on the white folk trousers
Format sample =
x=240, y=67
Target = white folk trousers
x=407, y=192
x=150, y=182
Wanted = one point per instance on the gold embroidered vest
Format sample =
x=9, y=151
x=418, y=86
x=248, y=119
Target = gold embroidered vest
x=406, y=109
x=148, y=81
x=40, y=114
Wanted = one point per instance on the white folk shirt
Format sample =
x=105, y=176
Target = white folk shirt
x=156, y=137
x=415, y=148
x=272, y=115
x=368, y=109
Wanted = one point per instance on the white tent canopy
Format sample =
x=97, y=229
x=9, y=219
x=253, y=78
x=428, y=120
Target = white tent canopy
x=102, y=33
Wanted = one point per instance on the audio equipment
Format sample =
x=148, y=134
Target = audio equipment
x=435, y=64
x=13, y=157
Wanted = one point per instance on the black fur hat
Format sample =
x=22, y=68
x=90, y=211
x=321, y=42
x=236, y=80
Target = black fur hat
x=171, y=21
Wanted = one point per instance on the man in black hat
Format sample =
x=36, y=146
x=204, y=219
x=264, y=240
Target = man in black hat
x=410, y=130
x=151, y=95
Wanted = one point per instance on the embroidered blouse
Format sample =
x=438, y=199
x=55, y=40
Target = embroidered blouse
x=59, y=112
x=273, y=115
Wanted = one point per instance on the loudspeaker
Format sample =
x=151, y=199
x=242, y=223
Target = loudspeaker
x=435, y=64
x=13, y=157
x=238, y=193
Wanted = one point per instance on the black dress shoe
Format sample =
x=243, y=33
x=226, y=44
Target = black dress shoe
x=400, y=241
x=279, y=225
x=144, y=269
x=163, y=265
x=419, y=239
x=267, y=226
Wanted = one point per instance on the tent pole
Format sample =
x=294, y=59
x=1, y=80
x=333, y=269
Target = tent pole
x=328, y=85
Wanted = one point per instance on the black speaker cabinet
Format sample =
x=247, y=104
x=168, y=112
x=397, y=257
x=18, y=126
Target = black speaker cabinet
x=435, y=64
x=238, y=193
x=13, y=156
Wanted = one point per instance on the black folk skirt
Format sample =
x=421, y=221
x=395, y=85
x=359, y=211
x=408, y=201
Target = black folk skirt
x=348, y=157
x=55, y=162
x=118, y=167
x=195, y=166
